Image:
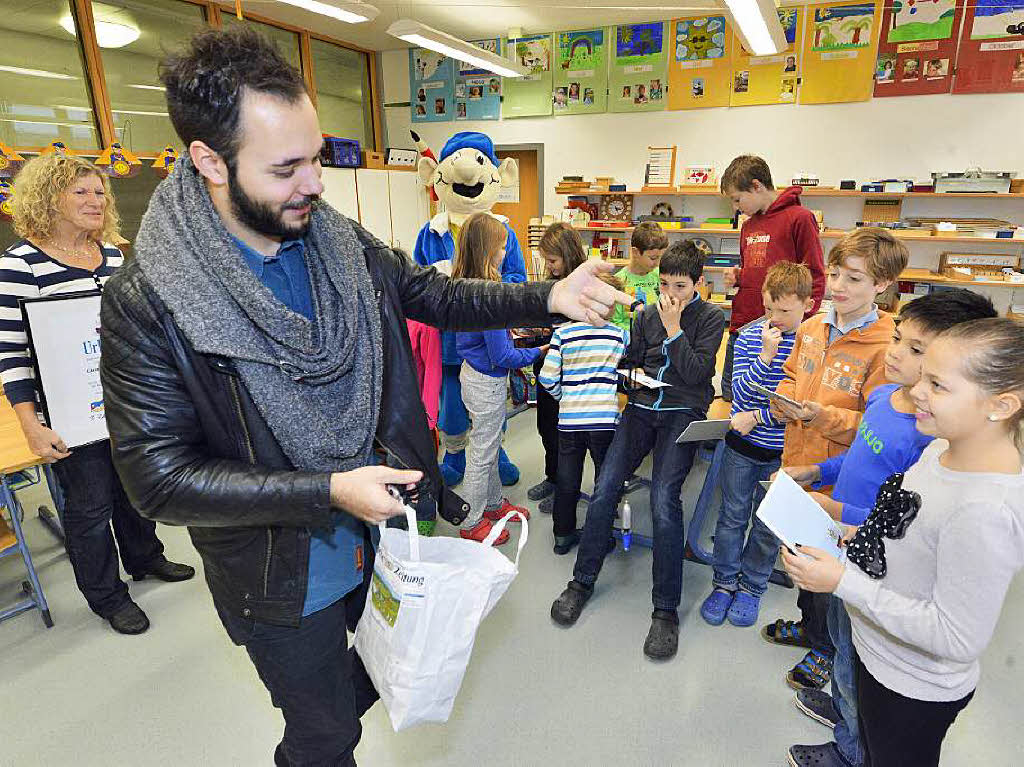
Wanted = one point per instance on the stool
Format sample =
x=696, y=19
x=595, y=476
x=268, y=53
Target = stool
x=13, y=542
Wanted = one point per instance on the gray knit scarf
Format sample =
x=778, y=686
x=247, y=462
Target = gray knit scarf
x=317, y=385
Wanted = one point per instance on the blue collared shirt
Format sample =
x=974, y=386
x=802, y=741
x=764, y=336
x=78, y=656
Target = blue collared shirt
x=335, y=557
x=835, y=329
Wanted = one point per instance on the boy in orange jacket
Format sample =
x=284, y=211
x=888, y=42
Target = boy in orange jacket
x=837, y=360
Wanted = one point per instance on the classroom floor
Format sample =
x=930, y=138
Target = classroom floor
x=534, y=694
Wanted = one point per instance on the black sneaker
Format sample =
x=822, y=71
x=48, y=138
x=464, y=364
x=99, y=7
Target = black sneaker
x=547, y=505
x=565, y=610
x=541, y=490
x=564, y=543
x=818, y=705
x=663, y=638
x=129, y=619
x=165, y=570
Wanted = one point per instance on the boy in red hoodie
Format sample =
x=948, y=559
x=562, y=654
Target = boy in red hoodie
x=779, y=229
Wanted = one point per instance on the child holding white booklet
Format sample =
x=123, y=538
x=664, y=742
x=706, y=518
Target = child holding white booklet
x=927, y=574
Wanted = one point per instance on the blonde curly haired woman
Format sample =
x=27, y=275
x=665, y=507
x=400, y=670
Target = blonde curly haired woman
x=65, y=215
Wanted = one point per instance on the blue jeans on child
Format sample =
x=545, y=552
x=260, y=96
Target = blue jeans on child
x=639, y=432
x=736, y=565
x=844, y=683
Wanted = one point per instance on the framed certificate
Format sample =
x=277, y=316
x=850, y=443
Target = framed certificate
x=64, y=337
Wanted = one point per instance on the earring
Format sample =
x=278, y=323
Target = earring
x=992, y=417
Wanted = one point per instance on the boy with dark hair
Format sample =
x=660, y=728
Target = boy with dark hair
x=647, y=244
x=753, y=450
x=778, y=229
x=837, y=361
x=887, y=442
x=675, y=341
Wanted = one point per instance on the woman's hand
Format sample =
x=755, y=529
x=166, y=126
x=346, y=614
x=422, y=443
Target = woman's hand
x=46, y=443
x=818, y=571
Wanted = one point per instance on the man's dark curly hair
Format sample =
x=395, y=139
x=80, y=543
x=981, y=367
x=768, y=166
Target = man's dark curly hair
x=207, y=80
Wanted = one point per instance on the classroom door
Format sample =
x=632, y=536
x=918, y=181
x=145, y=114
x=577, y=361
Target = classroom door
x=528, y=205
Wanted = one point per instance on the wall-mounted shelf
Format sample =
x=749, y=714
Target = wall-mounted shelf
x=807, y=192
x=828, y=234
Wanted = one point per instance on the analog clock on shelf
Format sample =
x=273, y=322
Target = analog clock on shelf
x=617, y=207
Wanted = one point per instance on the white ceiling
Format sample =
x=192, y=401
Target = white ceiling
x=476, y=19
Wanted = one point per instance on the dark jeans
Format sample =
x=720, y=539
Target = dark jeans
x=93, y=499
x=727, y=368
x=737, y=564
x=639, y=432
x=844, y=683
x=547, y=426
x=900, y=731
x=318, y=682
x=572, y=451
x=814, y=618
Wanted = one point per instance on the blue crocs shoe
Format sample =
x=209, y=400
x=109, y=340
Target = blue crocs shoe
x=716, y=606
x=743, y=610
x=453, y=467
x=507, y=470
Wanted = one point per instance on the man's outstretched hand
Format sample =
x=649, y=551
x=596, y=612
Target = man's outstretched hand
x=583, y=297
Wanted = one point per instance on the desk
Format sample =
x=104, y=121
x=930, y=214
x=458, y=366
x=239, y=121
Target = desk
x=15, y=456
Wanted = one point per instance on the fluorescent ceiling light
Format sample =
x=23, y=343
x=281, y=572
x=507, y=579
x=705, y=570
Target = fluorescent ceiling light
x=757, y=22
x=138, y=112
x=351, y=13
x=426, y=37
x=109, y=34
x=41, y=122
x=146, y=87
x=37, y=73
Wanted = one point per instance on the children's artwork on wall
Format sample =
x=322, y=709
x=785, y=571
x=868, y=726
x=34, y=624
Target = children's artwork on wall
x=839, y=52
x=637, y=76
x=431, y=86
x=702, y=49
x=478, y=91
x=769, y=79
x=531, y=95
x=991, y=55
x=581, y=66
x=917, y=47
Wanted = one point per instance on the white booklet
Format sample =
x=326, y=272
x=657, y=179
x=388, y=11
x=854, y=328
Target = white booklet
x=700, y=431
x=643, y=379
x=796, y=518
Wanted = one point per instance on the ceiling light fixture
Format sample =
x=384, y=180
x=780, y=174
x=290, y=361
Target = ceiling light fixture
x=758, y=25
x=351, y=13
x=146, y=87
x=427, y=37
x=37, y=73
x=109, y=34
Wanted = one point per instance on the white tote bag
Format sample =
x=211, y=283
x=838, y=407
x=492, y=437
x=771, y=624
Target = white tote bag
x=426, y=599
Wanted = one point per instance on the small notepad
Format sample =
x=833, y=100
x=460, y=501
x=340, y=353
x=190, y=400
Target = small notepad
x=796, y=518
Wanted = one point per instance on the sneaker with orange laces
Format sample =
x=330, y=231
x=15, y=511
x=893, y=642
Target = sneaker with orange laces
x=481, y=530
x=506, y=506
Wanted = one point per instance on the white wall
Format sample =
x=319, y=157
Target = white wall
x=908, y=137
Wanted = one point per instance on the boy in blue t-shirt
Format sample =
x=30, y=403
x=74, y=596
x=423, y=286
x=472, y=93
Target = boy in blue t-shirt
x=887, y=442
x=753, y=449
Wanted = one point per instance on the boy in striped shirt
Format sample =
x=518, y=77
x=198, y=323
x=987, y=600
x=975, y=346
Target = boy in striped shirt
x=580, y=372
x=753, y=449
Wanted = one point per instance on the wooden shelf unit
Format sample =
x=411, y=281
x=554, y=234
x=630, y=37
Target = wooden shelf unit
x=809, y=191
x=828, y=234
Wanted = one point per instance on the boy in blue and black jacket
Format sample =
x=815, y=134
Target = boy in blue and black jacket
x=675, y=341
x=753, y=449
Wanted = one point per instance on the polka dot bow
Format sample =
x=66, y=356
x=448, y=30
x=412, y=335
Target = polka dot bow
x=894, y=510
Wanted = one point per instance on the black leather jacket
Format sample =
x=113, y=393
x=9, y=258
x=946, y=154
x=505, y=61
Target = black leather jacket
x=192, y=449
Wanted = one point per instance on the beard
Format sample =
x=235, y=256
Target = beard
x=264, y=218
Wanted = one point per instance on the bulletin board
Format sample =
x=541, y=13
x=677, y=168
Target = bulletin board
x=700, y=72
x=637, y=81
x=769, y=79
x=581, y=73
x=478, y=91
x=917, y=47
x=839, y=52
x=991, y=56
x=529, y=96
x=431, y=86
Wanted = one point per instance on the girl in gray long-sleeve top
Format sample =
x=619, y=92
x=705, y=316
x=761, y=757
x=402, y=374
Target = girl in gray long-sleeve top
x=927, y=573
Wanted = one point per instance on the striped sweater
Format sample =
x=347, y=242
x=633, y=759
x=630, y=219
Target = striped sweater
x=27, y=272
x=748, y=368
x=580, y=370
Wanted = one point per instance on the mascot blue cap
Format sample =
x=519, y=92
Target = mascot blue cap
x=470, y=140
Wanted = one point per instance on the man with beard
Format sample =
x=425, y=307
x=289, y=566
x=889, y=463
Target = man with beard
x=255, y=354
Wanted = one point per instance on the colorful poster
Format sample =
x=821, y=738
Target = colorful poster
x=700, y=73
x=991, y=58
x=839, y=48
x=431, y=86
x=478, y=91
x=769, y=79
x=917, y=47
x=581, y=75
x=531, y=95
x=637, y=80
